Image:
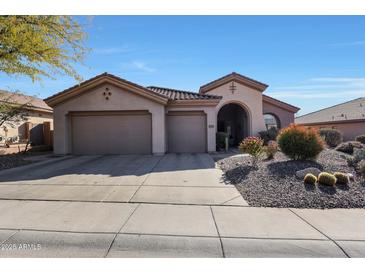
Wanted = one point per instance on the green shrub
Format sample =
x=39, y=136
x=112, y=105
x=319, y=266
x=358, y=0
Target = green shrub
x=269, y=135
x=253, y=146
x=357, y=156
x=271, y=149
x=362, y=168
x=331, y=136
x=360, y=138
x=300, y=143
x=351, y=162
x=342, y=178
x=348, y=147
x=326, y=178
x=221, y=139
x=310, y=179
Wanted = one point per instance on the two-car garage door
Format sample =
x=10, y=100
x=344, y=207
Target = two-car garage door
x=130, y=132
x=125, y=132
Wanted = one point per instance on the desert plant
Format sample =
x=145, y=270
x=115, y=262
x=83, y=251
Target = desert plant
x=342, y=178
x=360, y=138
x=221, y=139
x=326, y=178
x=348, y=147
x=253, y=146
x=362, y=168
x=357, y=156
x=269, y=135
x=351, y=162
x=332, y=137
x=300, y=143
x=271, y=149
x=310, y=179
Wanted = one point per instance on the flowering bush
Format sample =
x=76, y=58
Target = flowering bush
x=271, y=149
x=300, y=143
x=253, y=146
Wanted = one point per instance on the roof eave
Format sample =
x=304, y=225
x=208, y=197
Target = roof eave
x=194, y=102
x=234, y=77
x=105, y=78
x=331, y=122
x=280, y=104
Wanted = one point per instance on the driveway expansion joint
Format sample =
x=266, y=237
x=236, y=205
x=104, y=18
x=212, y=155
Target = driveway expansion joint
x=328, y=237
x=145, y=179
x=116, y=234
x=219, y=235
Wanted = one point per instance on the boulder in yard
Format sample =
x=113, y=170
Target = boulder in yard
x=300, y=174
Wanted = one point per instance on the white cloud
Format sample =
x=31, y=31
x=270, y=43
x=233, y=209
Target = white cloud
x=323, y=87
x=351, y=43
x=112, y=50
x=138, y=65
x=312, y=95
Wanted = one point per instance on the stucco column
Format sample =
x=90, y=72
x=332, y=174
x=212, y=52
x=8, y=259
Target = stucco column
x=60, y=133
x=211, y=129
x=158, y=131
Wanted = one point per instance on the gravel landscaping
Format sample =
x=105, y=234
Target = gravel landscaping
x=274, y=183
x=10, y=161
x=15, y=160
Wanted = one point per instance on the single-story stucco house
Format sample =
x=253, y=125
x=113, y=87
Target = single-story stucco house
x=109, y=115
x=37, y=113
x=348, y=117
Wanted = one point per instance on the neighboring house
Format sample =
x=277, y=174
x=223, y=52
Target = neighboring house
x=37, y=112
x=348, y=117
x=110, y=115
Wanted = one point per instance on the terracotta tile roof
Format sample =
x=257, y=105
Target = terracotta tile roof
x=21, y=99
x=351, y=110
x=175, y=94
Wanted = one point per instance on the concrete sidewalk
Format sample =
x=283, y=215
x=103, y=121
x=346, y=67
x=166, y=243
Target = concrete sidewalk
x=99, y=229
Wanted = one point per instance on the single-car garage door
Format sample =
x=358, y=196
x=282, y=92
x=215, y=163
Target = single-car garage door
x=125, y=132
x=186, y=131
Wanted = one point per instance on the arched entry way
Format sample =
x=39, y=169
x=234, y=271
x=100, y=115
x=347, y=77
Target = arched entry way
x=233, y=119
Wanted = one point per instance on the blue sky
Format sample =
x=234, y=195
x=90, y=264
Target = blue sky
x=311, y=62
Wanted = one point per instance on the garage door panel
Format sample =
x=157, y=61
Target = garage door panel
x=111, y=133
x=186, y=132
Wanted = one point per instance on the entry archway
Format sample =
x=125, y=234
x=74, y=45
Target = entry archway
x=232, y=118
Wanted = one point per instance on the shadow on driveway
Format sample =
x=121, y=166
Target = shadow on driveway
x=111, y=165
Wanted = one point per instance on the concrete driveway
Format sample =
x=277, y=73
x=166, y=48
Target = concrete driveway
x=168, y=206
x=173, y=179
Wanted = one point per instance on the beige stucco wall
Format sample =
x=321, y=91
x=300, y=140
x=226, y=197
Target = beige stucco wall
x=349, y=130
x=248, y=98
x=210, y=112
x=33, y=117
x=286, y=117
x=94, y=100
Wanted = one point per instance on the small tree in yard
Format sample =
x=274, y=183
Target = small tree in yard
x=254, y=147
x=36, y=47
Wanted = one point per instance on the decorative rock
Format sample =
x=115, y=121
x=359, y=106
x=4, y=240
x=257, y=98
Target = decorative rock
x=351, y=176
x=300, y=174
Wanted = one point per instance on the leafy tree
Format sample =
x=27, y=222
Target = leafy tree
x=37, y=46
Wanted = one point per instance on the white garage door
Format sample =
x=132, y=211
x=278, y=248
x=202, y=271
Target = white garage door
x=186, y=131
x=126, y=132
